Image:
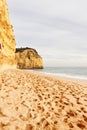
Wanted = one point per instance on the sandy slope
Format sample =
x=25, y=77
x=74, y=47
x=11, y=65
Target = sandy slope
x=31, y=101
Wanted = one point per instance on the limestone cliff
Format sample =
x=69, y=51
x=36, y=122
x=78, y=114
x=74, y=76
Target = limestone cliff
x=28, y=58
x=7, y=41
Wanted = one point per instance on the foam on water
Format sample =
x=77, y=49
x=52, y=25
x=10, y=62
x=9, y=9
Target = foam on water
x=68, y=72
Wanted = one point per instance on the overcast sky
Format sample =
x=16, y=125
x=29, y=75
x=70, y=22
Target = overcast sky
x=57, y=29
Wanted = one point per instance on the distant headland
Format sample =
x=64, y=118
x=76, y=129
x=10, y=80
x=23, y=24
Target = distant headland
x=28, y=58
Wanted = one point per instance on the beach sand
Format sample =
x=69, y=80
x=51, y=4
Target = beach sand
x=33, y=101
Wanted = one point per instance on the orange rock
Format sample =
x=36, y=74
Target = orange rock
x=28, y=58
x=7, y=41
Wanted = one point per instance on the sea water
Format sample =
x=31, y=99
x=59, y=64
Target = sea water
x=69, y=72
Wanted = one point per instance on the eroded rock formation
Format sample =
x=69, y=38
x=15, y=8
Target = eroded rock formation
x=25, y=57
x=28, y=58
x=7, y=41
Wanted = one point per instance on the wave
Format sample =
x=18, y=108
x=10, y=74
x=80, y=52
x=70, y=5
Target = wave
x=83, y=77
x=67, y=72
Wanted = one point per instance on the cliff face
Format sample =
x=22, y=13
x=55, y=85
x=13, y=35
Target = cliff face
x=25, y=57
x=7, y=41
x=28, y=58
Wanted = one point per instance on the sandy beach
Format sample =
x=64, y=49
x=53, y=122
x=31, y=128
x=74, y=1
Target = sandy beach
x=33, y=101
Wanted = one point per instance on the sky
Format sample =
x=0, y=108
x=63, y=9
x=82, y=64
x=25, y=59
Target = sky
x=57, y=29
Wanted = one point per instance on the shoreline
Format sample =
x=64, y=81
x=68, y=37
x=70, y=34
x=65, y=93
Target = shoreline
x=69, y=72
x=33, y=101
x=59, y=76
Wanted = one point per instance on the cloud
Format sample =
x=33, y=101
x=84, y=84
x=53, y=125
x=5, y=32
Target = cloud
x=57, y=29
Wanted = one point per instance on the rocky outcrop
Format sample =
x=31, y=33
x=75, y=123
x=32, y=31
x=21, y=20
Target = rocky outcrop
x=28, y=58
x=7, y=41
x=25, y=57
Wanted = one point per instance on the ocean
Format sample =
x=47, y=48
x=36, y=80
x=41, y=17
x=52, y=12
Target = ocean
x=69, y=72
